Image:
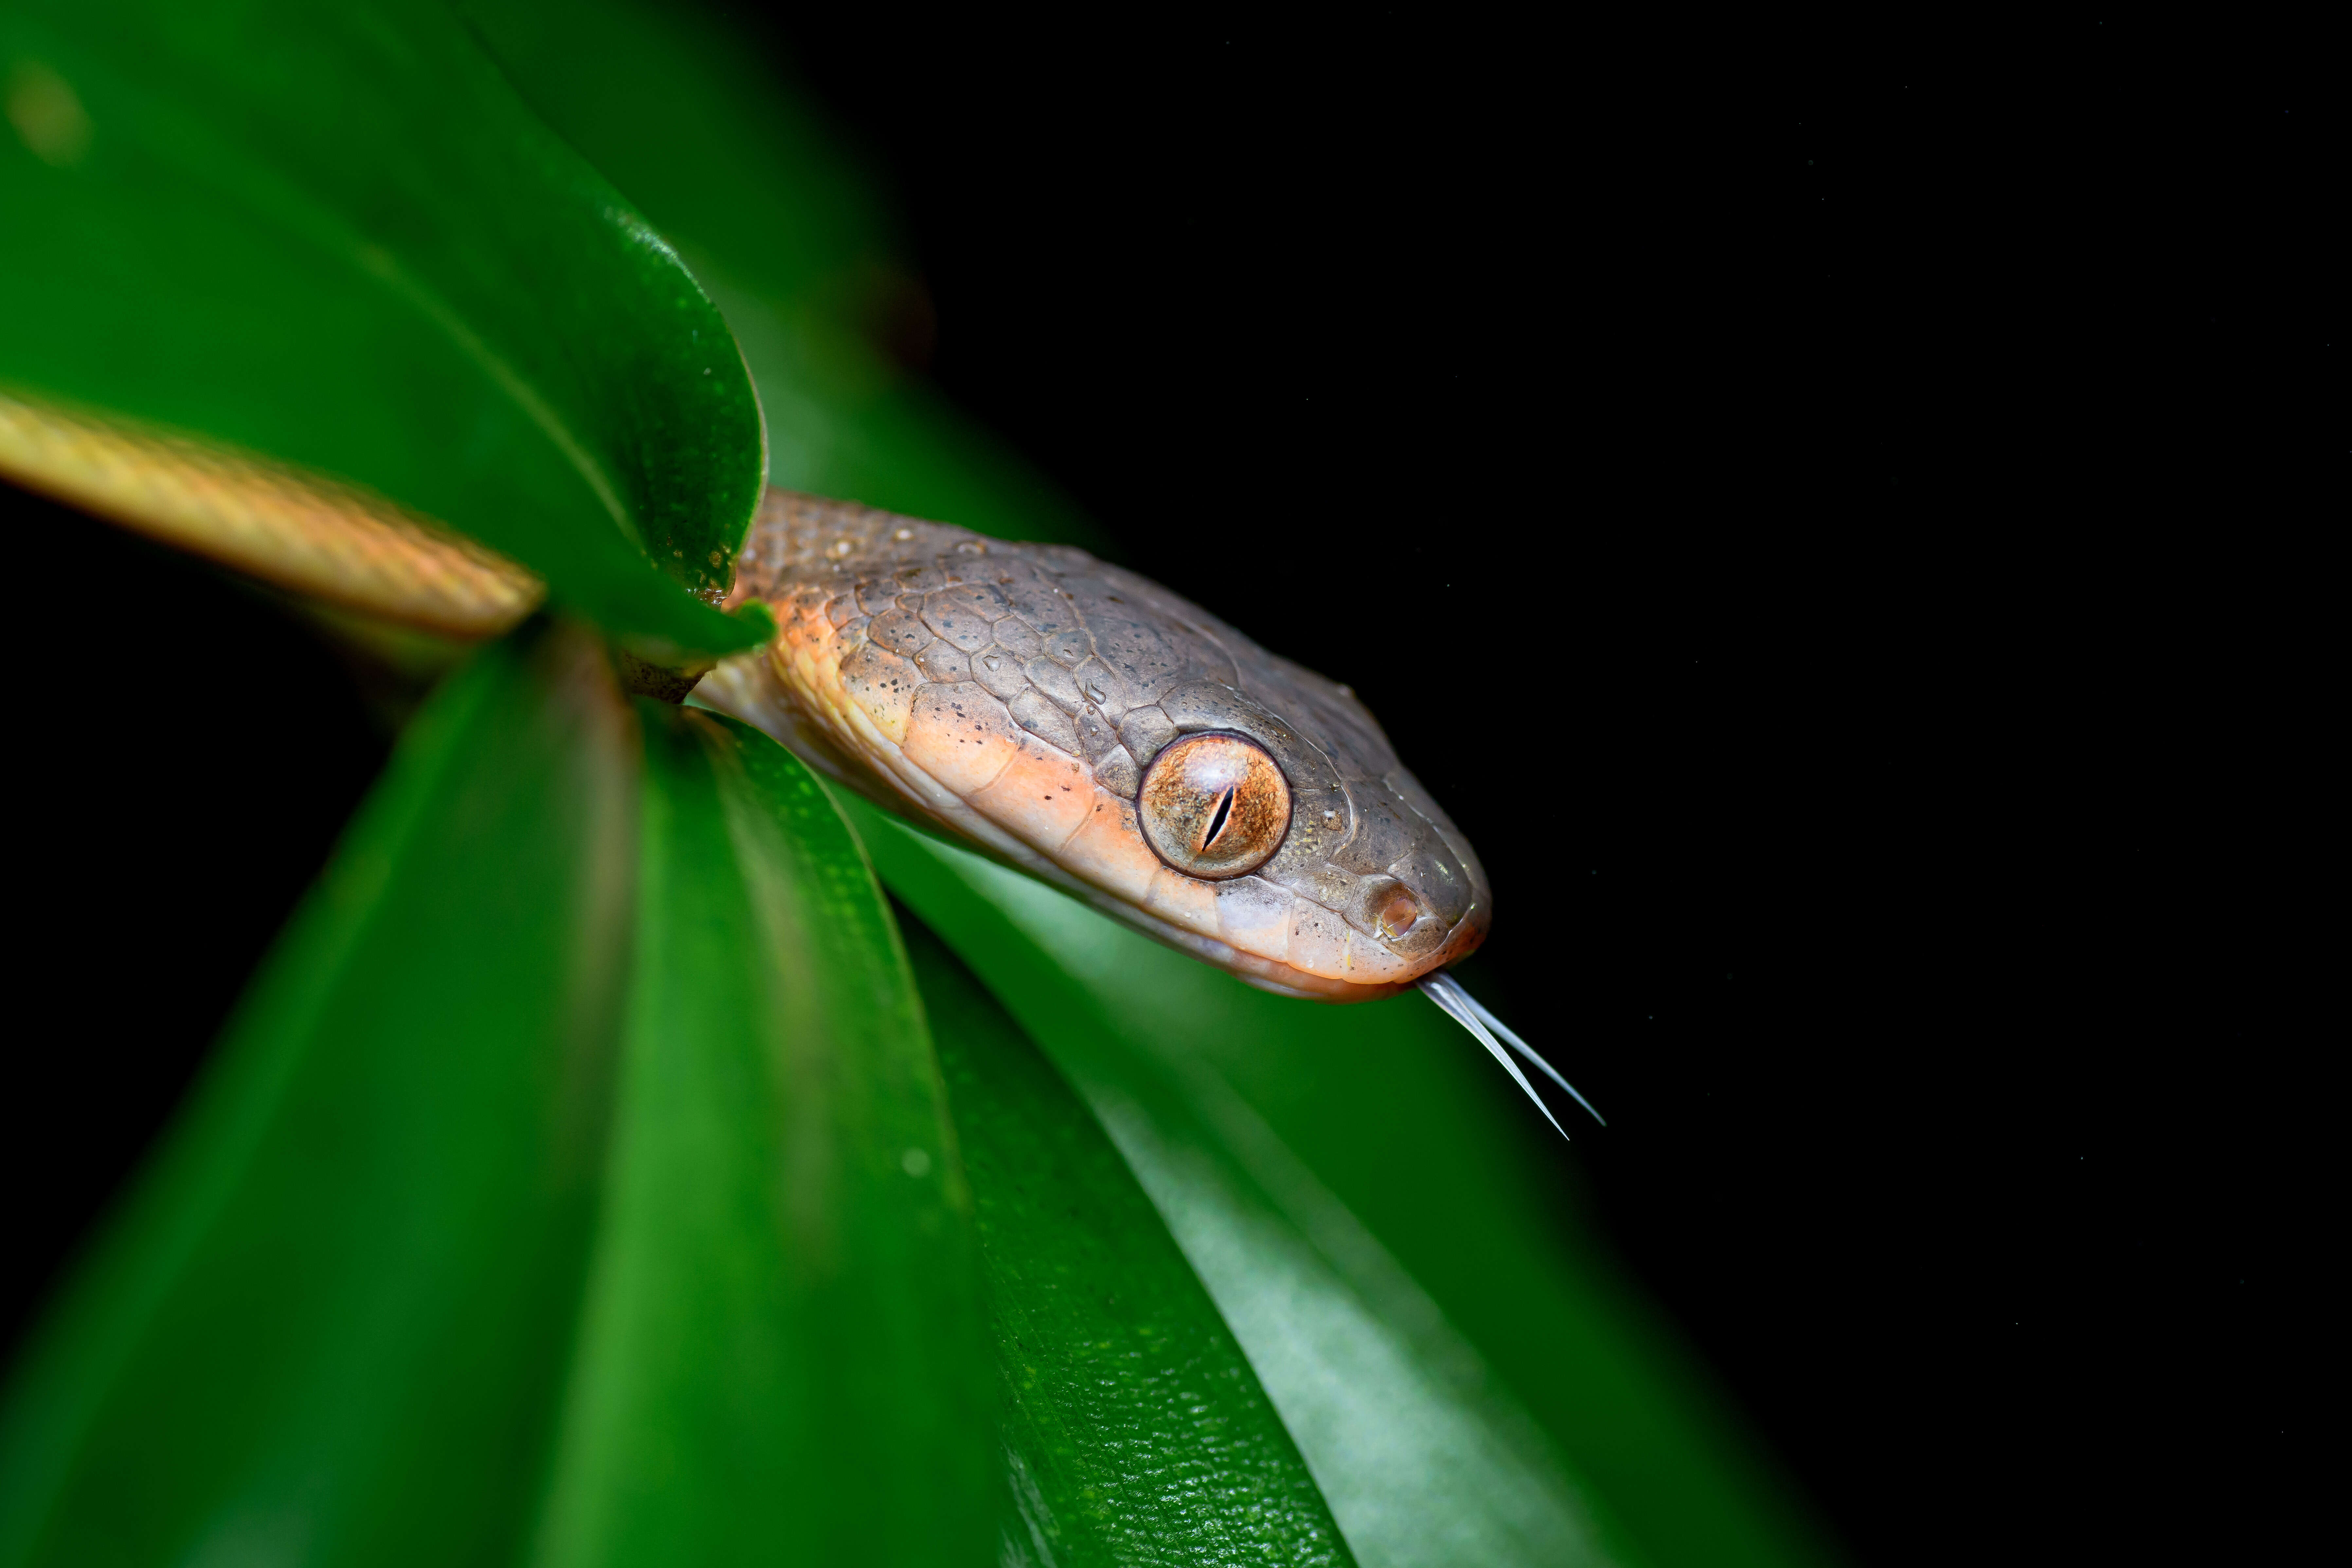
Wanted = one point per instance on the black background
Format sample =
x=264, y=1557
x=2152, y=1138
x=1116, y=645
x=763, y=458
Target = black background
x=1821, y=510
x=1826, y=514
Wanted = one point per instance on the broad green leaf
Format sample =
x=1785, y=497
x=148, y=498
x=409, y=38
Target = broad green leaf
x=332, y=235
x=782, y=1356
x=1539, y=1385
x=574, y=1185
x=1466, y=1382
x=680, y=111
x=1134, y=1430
x=332, y=1322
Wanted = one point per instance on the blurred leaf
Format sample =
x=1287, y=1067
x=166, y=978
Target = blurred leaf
x=554, y=1192
x=682, y=108
x=332, y=235
x=782, y=1355
x=687, y=115
x=290, y=1337
x=1463, y=1374
x=347, y=1280
x=1134, y=1430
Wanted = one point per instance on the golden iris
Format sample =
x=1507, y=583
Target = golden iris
x=1215, y=806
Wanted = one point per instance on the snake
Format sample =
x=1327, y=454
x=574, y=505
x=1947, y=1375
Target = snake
x=1063, y=715
x=1082, y=723
x=1066, y=716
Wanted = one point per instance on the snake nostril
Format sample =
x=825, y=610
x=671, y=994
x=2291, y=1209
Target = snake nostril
x=1398, y=913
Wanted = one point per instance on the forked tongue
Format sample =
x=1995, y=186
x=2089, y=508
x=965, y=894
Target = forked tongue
x=1464, y=1009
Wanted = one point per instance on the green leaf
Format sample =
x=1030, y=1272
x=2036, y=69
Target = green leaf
x=685, y=115
x=346, y=1282
x=1362, y=1161
x=1134, y=1429
x=333, y=236
x=1467, y=1380
x=416, y=1281
x=677, y=107
x=554, y=1193
x=782, y=1355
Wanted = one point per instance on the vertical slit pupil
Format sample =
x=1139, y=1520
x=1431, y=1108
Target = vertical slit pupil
x=1217, y=822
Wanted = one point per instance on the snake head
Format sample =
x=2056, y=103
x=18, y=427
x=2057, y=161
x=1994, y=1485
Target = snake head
x=1085, y=724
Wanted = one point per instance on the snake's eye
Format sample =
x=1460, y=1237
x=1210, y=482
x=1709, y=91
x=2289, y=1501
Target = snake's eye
x=1215, y=806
